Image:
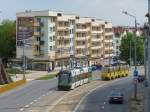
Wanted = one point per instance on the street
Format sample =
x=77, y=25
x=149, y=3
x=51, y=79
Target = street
x=39, y=95
x=97, y=101
x=17, y=99
x=21, y=98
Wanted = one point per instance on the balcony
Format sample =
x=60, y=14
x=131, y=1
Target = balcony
x=96, y=39
x=36, y=53
x=52, y=24
x=80, y=46
x=63, y=37
x=108, y=55
x=79, y=55
x=108, y=41
x=83, y=30
x=64, y=28
x=95, y=55
x=108, y=33
x=63, y=55
x=96, y=47
x=109, y=48
x=80, y=38
x=36, y=33
x=37, y=43
x=97, y=32
x=38, y=24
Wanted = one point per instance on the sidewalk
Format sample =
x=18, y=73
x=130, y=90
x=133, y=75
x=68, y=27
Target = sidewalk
x=32, y=75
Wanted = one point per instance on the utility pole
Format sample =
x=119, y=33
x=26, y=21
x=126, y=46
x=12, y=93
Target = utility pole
x=62, y=49
x=23, y=41
x=148, y=40
x=130, y=54
x=135, y=53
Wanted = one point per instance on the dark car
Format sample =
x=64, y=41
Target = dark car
x=116, y=97
x=93, y=67
x=96, y=67
x=141, y=78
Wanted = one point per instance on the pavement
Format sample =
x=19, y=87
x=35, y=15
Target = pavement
x=32, y=75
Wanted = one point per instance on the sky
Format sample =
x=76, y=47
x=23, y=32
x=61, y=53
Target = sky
x=110, y=10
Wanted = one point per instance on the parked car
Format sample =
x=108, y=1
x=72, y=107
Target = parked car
x=116, y=97
x=15, y=66
x=141, y=78
x=93, y=67
x=96, y=67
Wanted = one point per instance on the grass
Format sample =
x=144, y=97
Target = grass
x=13, y=71
x=47, y=77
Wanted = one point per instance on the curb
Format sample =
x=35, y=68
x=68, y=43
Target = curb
x=11, y=86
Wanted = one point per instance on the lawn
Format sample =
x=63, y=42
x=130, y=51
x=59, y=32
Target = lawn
x=47, y=77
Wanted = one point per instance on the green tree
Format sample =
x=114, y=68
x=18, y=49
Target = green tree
x=7, y=39
x=125, y=48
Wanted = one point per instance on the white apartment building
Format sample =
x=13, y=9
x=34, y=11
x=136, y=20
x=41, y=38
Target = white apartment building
x=53, y=38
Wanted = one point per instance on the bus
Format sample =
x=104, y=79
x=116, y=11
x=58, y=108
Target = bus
x=72, y=78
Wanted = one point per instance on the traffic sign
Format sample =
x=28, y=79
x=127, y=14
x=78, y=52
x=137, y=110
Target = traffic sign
x=135, y=73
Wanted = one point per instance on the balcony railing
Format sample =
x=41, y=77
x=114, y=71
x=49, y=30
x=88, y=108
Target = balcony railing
x=37, y=24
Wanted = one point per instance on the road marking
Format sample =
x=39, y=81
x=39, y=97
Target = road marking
x=39, y=98
x=35, y=100
x=102, y=107
x=33, y=110
x=31, y=103
x=26, y=106
x=77, y=94
x=77, y=106
x=104, y=103
x=22, y=109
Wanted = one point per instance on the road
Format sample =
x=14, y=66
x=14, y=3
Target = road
x=97, y=101
x=18, y=98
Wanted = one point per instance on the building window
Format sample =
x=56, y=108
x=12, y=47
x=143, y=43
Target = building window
x=50, y=48
x=50, y=39
x=38, y=19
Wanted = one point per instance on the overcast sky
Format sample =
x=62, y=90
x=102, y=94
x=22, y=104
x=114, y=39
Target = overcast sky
x=110, y=10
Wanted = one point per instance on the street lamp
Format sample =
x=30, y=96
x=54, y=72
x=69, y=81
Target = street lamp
x=23, y=29
x=135, y=20
x=135, y=58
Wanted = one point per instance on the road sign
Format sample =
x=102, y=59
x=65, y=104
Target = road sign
x=135, y=73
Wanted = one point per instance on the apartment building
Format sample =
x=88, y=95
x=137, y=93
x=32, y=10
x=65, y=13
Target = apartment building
x=53, y=39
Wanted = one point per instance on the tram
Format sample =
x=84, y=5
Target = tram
x=110, y=73
x=72, y=78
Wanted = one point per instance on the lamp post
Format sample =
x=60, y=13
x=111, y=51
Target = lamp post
x=135, y=20
x=23, y=52
x=135, y=53
x=62, y=49
x=130, y=54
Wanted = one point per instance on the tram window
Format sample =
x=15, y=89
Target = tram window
x=64, y=77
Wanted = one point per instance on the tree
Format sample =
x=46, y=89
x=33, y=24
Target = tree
x=125, y=48
x=7, y=39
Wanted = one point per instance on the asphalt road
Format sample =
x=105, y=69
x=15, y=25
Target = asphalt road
x=18, y=98
x=97, y=101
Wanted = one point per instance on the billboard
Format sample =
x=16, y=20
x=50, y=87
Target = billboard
x=25, y=30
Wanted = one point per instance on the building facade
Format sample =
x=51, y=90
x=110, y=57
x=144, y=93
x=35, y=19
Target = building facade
x=55, y=39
